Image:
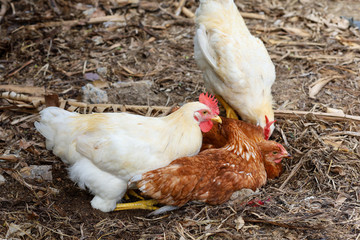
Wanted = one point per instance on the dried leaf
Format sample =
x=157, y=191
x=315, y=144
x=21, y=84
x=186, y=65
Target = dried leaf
x=23, y=144
x=100, y=84
x=338, y=170
x=319, y=84
x=340, y=200
x=52, y=100
x=239, y=223
x=28, y=146
x=336, y=144
x=16, y=231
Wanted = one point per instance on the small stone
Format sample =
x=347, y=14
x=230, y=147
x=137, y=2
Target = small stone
x=89, y=11
x=91, y=76
x=2, y=180
x=37, y=172
x=102, y=71
x=97, y=40
x=93, y=94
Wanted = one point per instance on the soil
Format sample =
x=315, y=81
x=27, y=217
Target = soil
x=147, y=59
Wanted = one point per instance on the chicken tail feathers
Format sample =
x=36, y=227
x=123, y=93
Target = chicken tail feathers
x=51, y=119
x=47, y=132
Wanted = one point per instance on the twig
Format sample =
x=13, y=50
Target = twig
x=122, y=3
x=31, y=187
x=293, y=171
x=293, y=43
x=179, y=7
x=36, y=101
x=320, y=115
x=349, y=133
x=278, y=113
x=145, y=29
x=284, y=137
x=69, y=74
x=281, y=224
x=253, y=15
x=187, y=12
x=112, y=18
x=16, y=89
x=19, y=69
x=4, y=8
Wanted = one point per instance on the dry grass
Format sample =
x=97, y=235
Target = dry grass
x=316, y=56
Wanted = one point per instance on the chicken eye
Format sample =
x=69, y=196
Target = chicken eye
x=275, y=153
x=205, y=112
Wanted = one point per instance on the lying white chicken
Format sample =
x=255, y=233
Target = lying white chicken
x=236, y=65
x=104, y=150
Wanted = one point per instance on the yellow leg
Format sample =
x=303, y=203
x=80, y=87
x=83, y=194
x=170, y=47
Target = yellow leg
x=131, y=192
x=144, y=204
x=230, y=113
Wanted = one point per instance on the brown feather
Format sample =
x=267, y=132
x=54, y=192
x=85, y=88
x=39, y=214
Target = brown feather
x=235, y=160
x=211, y=177
x=217, y=138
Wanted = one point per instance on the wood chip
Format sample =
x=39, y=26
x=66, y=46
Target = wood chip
x=10, y=158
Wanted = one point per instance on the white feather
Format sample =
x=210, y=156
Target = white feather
x=235, y=64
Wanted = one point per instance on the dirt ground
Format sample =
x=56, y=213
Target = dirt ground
x=144, y=56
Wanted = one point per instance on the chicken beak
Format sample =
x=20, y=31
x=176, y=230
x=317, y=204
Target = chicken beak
x=288, y=155
x=216, y=119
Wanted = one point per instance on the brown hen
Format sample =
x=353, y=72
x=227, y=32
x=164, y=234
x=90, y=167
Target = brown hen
x=213, y=175
x=217, y=138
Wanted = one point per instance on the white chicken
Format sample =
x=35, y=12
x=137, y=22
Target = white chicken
x=104, y=150
x=236, y=65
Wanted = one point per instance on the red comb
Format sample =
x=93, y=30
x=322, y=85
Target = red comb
x=267, y=127
x=210, y=101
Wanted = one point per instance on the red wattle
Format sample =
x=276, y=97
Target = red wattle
x=267, y=133
x=277, y=160
x=206, y=126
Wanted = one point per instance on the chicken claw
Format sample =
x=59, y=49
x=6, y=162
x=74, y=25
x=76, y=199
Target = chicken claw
x=132, y=193
x=144, y=204
x=230, y=113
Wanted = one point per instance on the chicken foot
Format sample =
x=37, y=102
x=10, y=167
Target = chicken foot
x=144, y=204
x=230, y=113
x=131, y=192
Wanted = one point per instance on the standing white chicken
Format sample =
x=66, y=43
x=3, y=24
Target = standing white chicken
x=236, y=65
x=104, y=150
